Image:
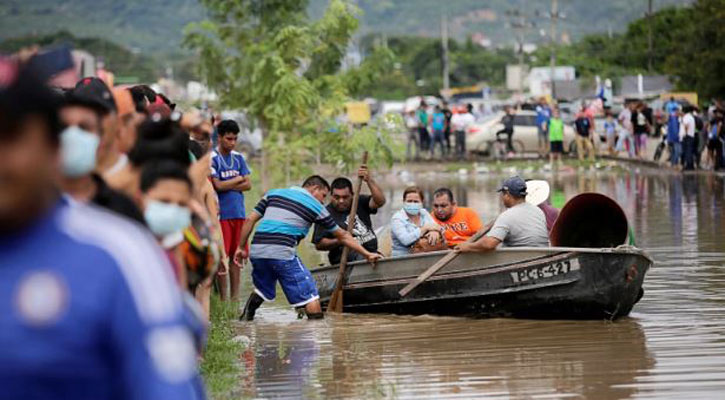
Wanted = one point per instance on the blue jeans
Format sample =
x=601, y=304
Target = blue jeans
x=676, y=153
x=438, y=138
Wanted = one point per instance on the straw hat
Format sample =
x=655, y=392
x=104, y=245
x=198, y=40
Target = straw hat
x=537, y=191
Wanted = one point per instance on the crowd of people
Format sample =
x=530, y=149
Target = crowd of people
x=120, y=213
x=438, y=128
x=106, y=240
x=691, y=139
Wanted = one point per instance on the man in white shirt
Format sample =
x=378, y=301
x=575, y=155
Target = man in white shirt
x=687, y=137
x=460, y=122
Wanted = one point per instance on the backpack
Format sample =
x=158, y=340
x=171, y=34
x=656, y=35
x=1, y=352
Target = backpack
x=699, y=124
x=582, y=126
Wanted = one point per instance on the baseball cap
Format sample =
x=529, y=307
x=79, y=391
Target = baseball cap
x=94, y=93
x=514, y=186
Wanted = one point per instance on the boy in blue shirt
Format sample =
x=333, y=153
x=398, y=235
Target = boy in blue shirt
x=438, y=123
x=230, y=176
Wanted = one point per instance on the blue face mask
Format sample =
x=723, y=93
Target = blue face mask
x=164, y=218
x=412, y=208
x=78, y=151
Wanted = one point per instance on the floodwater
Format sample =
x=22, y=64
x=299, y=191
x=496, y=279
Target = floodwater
x=671, y=346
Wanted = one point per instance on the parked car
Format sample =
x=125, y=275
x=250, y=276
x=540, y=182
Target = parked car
x=480, y=137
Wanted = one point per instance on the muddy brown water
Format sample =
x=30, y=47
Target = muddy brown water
x=671, y=346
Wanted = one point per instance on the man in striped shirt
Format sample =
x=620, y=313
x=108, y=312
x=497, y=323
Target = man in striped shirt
x=286, y=216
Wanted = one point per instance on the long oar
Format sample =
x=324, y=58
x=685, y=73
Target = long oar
x=441, y=263
x=335, y=304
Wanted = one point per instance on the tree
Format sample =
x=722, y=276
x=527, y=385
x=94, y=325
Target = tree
x=698, y=60
x=267, y=58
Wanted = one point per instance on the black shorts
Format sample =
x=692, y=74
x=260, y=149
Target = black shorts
x=557, y=146
x=712, y=144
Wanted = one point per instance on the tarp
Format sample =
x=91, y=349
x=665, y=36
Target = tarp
x=358, y=112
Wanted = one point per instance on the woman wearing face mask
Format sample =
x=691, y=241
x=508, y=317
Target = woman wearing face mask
x=166, y=193
x=411, y=223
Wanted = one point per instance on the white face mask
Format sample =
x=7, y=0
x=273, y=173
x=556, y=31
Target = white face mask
x=164, y=218
x=412, y=208
x=78, y=151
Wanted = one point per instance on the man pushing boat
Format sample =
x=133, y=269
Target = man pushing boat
x=286, y=216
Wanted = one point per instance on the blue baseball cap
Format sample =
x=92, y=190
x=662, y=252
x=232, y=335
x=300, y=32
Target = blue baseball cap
x=515, y=186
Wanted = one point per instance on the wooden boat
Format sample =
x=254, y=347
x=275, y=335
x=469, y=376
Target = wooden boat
x=568, y=281
x=575, y=283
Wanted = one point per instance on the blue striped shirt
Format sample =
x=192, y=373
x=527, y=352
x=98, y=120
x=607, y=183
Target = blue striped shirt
x=287, y=215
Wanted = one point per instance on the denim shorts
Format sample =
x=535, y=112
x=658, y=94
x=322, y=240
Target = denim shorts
x=297, y=283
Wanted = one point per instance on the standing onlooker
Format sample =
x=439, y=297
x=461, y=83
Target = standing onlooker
x=422, y=115
x=700, y=137
x=641, y=127
x=674, y=141
x=438, y=124
x=610, y=132
x=460, y=123
x=543, y=114
x=584, y=125
x=411, y=123
x=687, y=136
x=672, y=108
x=508, y=128
x=626, y=133
x=556, y=137
x=447, y=131
x=230, y=176
x=713, y=142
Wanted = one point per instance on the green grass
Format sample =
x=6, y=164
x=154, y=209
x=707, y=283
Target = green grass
x=221, y=367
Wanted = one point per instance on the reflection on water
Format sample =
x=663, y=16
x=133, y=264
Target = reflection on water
x=672, y=346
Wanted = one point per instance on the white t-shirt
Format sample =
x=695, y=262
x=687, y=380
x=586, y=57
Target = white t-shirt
x=625, y=119
x=688, y=124
x=460, y=122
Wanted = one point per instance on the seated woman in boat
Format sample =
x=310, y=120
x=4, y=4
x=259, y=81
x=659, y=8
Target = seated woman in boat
x=413, y=223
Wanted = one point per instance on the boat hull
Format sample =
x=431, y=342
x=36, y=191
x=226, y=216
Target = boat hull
x=528, y=283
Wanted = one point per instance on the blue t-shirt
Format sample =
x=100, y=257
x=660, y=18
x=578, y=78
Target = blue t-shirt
x=231, y=202
x=671, y=107
x=439, y=121
x=543, y=114
x=610, y=127
x=90, y=309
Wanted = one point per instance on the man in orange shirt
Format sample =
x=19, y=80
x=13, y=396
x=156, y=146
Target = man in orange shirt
x=459, y=223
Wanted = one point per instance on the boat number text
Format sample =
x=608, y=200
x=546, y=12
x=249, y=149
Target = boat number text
x=546, y=271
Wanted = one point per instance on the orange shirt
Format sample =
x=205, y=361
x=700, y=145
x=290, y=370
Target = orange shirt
x=463, y=224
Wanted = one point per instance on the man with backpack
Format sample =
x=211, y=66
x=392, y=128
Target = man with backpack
x=584, y=124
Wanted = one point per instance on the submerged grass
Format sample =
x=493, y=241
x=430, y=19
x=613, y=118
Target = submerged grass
x=221, y=367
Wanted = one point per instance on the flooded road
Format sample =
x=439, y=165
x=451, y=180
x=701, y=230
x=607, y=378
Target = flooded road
x=671, y=346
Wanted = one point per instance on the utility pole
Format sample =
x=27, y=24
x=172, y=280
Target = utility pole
x=444, y=47
x=552, y=60
x=649, y=36
x=519, y=24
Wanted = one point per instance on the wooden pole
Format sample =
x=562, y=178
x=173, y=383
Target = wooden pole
x=335, y=304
